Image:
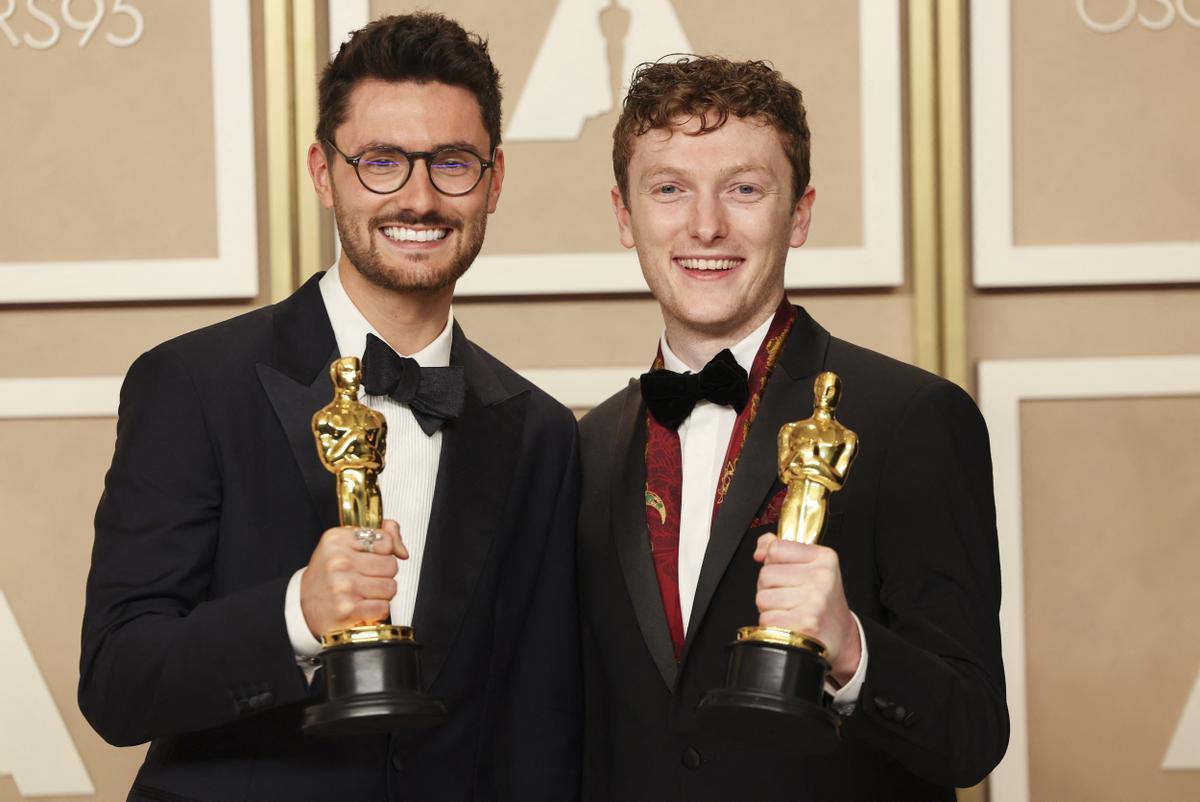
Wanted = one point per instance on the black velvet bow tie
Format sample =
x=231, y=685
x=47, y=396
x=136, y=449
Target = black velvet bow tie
x=435, y=395
x=670, y=396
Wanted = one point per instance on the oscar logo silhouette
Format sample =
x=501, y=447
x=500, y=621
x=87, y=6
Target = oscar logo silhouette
x=372, y=670
x=774, y=692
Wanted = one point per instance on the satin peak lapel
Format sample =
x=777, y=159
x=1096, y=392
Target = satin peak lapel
x=294, y=405
x=297, y=384
x=627, y=499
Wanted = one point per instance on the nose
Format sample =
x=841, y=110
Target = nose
x=708, y=222
x=418, y=193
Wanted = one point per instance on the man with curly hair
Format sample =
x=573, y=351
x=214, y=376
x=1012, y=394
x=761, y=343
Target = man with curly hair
x=681, y=496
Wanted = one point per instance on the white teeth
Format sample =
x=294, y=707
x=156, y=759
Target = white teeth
x=709, y=264
x=415, y=234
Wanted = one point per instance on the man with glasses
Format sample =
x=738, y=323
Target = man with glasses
x=218, y=562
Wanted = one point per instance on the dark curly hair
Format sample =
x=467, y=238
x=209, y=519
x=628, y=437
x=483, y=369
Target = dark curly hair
x=710, y=88
x=420, y=47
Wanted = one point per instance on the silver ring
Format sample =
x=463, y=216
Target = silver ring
x=367, y=538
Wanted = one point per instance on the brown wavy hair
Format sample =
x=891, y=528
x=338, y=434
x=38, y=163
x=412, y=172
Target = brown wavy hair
x=422, y=48
x=710, y=89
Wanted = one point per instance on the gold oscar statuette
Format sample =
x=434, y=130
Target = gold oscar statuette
x=373, y=678
x=775, y=686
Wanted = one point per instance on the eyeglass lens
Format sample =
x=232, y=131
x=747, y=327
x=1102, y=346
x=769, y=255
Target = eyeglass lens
x=454, y=172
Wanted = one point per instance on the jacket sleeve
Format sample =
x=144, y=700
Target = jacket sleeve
x=161, y=654
x=933, y=698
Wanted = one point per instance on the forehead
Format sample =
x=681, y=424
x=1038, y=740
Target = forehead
x=412, y=115
x=740, y=141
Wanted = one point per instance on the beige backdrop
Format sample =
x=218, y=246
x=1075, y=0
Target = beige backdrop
x=109, y=151
x=1110, y=553
x=1105, y=126
x=1104, y=152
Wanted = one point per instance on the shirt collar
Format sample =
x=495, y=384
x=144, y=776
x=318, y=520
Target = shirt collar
x=743, y=351
x=350, y=328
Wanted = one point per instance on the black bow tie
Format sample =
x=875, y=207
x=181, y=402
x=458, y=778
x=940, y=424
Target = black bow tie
x=670, y=396
x=435, y=395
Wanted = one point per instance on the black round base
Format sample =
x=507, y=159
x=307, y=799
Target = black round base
x=370, y=689
x=373, y=714
x=774, y=697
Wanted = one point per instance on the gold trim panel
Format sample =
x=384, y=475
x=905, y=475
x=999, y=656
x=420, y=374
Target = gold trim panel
x=373, y=633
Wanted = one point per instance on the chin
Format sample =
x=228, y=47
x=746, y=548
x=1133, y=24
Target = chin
x=711, y=322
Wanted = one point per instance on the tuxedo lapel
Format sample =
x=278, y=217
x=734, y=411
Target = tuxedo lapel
x=788, y=397
x=473, y=483
x=628, y=510
x=297, y=384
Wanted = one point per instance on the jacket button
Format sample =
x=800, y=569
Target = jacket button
x=691, y=758
x=899, y=714
x=883, y=704
x=397, y=761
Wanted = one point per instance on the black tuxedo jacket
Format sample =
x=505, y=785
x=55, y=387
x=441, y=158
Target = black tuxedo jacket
x=216, y=497
x=914, y=529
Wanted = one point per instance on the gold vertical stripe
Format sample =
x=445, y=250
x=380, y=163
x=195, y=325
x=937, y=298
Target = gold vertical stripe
x=952, y=109
x=923, y=192
x=953, y=217
x=280, y=164
x=310, y=222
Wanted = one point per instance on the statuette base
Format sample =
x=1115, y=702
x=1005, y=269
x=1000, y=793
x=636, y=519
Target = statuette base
x=373, y=686
x=774, y=697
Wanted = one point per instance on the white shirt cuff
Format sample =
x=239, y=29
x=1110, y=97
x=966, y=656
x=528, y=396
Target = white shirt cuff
x=303, y=643
x=846, y=697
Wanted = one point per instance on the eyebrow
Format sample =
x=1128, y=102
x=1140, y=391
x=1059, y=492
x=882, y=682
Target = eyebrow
x=457, y=145
x=732, y=170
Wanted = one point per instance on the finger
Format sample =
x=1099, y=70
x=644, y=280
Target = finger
x=391, y=531
x=791, y=619
x=786, y=551
x=375, y=588
x=347, y=538
x=370, y=611
x=763, y=546
x=377, y=563
x=794, y=601
x=773, y=599
x=791, y=575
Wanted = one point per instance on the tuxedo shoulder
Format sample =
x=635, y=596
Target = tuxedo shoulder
x=506, y=383
x=244, y=337
x=600, y=421
x=863, y=370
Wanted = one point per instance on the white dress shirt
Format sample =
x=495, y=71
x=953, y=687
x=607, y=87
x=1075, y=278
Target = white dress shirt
x=703, y=440
x=410, y=463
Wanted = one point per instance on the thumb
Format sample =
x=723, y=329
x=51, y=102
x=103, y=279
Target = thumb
x=397, y=542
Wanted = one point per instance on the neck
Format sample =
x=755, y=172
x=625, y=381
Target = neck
x=696, y=347
x=408, y=320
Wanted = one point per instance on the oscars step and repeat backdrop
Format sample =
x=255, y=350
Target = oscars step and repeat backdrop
x=134, y=208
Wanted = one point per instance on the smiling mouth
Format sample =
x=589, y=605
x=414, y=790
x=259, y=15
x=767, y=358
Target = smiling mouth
x=406, y=234
x=715, y=265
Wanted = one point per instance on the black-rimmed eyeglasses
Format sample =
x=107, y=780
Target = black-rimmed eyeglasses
x=452, y=171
